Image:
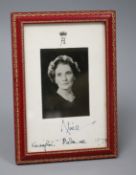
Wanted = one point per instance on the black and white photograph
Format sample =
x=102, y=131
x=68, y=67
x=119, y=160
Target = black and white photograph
x=65, y=84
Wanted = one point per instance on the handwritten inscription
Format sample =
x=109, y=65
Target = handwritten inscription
x=53, y=143
x=70, y=140
x=69, y=130
x=68, y=127
x=44, y=145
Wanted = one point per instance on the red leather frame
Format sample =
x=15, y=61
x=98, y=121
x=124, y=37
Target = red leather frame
x=18, y=20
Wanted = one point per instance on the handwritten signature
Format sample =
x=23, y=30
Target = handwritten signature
x=68, y=127
x=53, y=143
x=44, y=145
x=70, y=140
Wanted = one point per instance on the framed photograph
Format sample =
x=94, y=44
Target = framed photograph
x=64, y=76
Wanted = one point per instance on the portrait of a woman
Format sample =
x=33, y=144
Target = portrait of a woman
x=63, y=72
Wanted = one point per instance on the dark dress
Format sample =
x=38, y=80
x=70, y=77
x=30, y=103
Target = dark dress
x=55, y=106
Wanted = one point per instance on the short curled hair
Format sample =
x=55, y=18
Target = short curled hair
x=62, y=59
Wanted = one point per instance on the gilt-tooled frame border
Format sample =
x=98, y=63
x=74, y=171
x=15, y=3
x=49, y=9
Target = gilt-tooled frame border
x=18, y=20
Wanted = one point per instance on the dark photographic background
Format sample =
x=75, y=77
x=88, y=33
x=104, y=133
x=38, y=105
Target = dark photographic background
x=81, y=86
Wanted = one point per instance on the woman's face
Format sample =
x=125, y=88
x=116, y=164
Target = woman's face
x=64, y=77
